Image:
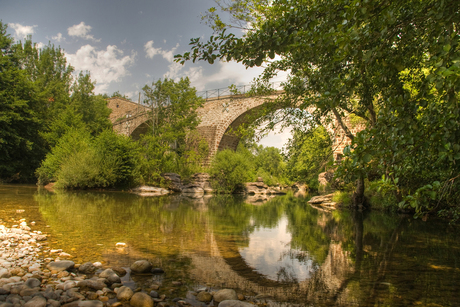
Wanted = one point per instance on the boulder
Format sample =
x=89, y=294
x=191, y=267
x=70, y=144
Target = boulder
x=147, y=191
x=173, y=181
x=193, y=189
x=203, y=180
x=59, y=266
x=36, y=301
x=321, y=199
x=225, y=294
x=255, y=188
x=124, y=294
x=141, y=299
x=235, y=303
x=204, y=296
x=87, y=268
x=141, y=266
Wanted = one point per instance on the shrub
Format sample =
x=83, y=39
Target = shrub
x=230, y=170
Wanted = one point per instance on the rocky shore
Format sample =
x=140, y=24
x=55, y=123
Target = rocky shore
x=32, y=275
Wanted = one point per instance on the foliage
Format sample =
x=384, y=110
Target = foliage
x=230, y=170
x=82, y=161
x=172, y=143
x=396, y=65
x=342, y=197
x=308, y=155
x=21, y=148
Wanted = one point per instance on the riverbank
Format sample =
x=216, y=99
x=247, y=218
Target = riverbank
x=33, y=275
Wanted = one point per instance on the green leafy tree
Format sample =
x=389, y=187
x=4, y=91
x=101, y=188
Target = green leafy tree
x=308, y=154
x=171, y=143
x=21, y=148
x=361, y=58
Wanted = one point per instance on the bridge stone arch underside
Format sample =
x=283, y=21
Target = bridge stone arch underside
x=220, y=119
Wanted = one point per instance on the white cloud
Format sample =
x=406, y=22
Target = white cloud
x=81, y=30
x=152, y=51
x=105, y=66
x=58, y=37
x=22, y=31
x=39, y=45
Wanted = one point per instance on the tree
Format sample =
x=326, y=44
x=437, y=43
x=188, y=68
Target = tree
x=308, y=155
x=171, y=144
x=21, y=148
x=351, y=57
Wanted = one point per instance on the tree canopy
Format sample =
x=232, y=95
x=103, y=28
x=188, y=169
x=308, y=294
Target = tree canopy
x=395, y=64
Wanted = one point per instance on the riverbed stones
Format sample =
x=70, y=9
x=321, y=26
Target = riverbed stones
x=124, y=293
x=204, y=296
x=36, y=301
x=141, y=266
x=235, y=303
x=110, y=276
x=58, y=266
x=225, y=294
x=141, y=299
x=87, y=268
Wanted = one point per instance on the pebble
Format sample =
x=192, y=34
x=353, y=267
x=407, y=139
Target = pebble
x=30, y=278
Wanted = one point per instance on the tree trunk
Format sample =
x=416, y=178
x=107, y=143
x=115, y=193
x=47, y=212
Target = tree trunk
x=359, y=200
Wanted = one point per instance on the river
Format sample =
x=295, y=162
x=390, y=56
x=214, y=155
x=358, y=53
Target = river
x=281, y=247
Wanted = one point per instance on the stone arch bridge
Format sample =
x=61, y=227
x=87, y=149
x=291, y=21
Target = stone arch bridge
x=220, y=117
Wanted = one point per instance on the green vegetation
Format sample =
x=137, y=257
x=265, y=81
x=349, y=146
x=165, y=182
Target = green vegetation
x=395, y=66
x=231, y=169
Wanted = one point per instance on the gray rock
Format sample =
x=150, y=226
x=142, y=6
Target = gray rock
x=204, y=296
x=147, y=191
x=36, y=301
x=111, y=276
x=124, y=294
x=33, y=282
x=60, y=266
x=141, y=299
x=234, y=303
x=256, y=188
x=193, y=189
x=4, y=273
x=225, y=294
x=321, y=199
x=173, y=181
x=119, y=271
x=87, y=268
x=141, y=266
x=90, y=304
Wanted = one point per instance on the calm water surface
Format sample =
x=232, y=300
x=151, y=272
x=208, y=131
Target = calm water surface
x=281, y=247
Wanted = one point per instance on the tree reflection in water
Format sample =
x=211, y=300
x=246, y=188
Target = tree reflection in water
x=281, y=247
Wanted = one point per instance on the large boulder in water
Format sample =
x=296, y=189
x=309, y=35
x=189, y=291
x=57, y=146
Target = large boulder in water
x=141, y=266
x=141, y=299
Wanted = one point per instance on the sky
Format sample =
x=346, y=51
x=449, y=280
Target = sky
x=127, y=44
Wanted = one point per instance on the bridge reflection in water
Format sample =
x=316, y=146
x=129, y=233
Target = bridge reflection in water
x=282, y=248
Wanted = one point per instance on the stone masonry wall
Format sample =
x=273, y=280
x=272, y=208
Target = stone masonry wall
x=218, y=117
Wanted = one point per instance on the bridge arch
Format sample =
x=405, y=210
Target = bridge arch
x=220, y=118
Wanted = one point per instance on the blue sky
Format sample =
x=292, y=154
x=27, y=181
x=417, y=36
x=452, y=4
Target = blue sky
x=126, y=44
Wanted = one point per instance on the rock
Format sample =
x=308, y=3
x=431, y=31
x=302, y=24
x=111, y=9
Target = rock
x=203, y=180
x=321, y=199
x=204, y=297
x=119, y=271
x=173, y=181
x=36, y=301
x=225, y=294
x=154, y=294
x=4, y=273
x=111, y=276
x=59, y=266
x=255, y=188
x=124, y=293
x=234, y=303
x=90, y=304
x=141, y=299
x=87, y=268
x=141, y=266
x=193, y=189
x=147, y=191
x=33, y=282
